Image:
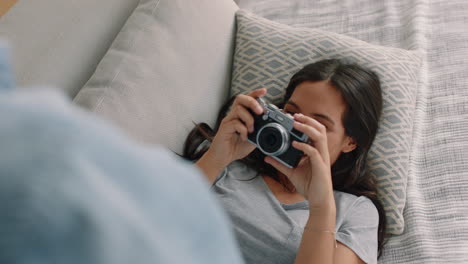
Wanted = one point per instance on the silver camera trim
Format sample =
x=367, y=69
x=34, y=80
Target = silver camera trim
x=284, y=135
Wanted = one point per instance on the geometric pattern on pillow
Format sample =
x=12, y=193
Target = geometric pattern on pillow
x=268, y=53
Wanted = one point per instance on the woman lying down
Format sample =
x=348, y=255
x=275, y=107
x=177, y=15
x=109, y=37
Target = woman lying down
x=293, y=179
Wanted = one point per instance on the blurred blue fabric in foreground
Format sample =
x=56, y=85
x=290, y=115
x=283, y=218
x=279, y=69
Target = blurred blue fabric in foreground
x=6, y=75
x=73, y=189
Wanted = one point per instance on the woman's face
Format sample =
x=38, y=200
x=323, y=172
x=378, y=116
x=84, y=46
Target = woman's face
x=323, y=102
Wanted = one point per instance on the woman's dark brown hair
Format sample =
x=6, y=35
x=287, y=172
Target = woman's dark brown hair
x=360, y=89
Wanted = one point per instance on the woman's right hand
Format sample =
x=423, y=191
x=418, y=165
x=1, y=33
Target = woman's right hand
x=230, y=142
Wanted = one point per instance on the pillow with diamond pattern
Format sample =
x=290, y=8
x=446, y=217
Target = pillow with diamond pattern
x=268, y=53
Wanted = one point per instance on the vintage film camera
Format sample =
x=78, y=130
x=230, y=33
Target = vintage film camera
x=274, y=133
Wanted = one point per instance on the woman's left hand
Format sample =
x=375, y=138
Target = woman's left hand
x=312, y=176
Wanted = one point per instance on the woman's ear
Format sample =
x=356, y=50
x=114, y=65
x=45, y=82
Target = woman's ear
x=349, y=145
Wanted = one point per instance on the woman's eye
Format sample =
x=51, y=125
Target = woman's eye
x=326, y=127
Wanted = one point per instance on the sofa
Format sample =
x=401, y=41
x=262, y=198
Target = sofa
x=81, y=48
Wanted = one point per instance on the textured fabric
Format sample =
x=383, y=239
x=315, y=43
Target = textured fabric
x=75, y=190
x=268, y=54
x=170, y=65
x=436, y=211
x=59, y=43
x=270, y=232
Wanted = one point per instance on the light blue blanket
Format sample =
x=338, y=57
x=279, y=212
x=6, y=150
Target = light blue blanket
x=73, y=189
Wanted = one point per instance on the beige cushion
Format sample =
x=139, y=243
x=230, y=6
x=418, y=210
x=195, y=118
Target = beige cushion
x=268, y=54
x=170, y=65
x=59, y=43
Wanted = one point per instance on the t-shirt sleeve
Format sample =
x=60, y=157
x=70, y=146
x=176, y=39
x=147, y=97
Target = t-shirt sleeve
x=359, y=230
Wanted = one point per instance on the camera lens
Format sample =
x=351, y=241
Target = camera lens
x=272, y=139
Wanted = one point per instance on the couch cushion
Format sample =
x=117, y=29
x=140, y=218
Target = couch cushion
x=59, y=43
x=170, y=65
x=268, y=54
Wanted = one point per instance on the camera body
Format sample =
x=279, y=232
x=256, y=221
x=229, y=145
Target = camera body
x=274, y=133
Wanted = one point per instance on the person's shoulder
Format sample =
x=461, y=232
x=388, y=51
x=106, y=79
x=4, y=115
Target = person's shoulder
x=344, y=197
x=240, y=171
x=234, y=174
x=348, y=205
x=357, y=223
x=346, y=200
x=349, y=199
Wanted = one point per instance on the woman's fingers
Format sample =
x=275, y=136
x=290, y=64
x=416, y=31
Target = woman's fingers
x=230, y=127
x=245, y=116
x=249, y=101
x=315, y=130
x=317, y=138
x=302, y=161
x=257, y=93
x=307, y=149
x=240, y=128
x=241, y=105
x=311, y=122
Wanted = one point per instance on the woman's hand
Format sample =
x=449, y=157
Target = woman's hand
x=312, y=177
x=230, y=142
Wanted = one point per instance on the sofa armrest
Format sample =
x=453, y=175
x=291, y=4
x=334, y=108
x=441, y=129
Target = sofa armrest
x=59, y=43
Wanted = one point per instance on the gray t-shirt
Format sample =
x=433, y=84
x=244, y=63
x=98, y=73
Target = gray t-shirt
x=270, y=232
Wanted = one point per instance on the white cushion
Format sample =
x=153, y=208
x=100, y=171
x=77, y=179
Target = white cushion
x=59, y=43
x=170, y=65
